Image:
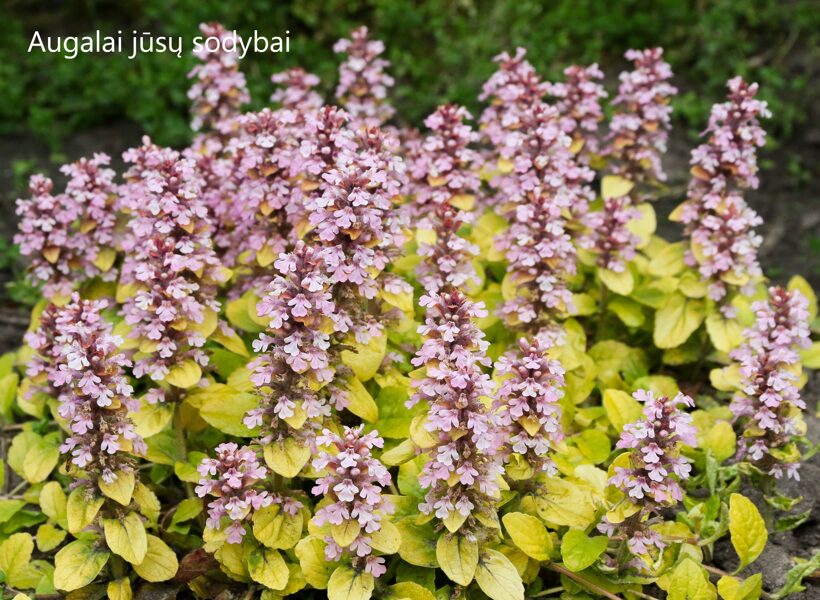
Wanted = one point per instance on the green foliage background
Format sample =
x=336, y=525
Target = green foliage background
x=440, y=49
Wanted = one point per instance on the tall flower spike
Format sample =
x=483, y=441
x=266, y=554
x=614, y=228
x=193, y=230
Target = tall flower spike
x=219, y=89
x=639, y=128
x=363, y=83
x=609, y=237
x=78, y=357
x=527, y=405
x=578, y=100
x=297, y=353
x=444, y=194
x=656, y=467
x=769, y=404
x=353, y=484
x=69, y=237
x=296, y=92
x=355, y=220
x=235, y=477
x=461, y=473
x=170, y=264
x=716, y=217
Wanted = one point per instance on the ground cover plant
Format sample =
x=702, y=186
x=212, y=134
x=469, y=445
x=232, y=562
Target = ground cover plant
x=317, y=355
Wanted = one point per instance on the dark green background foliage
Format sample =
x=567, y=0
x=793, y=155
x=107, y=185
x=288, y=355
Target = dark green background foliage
x=440, y=49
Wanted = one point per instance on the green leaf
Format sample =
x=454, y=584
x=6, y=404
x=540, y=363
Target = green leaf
x=677, y=319
x=348, y=584
x=126, y=537
x=690, y=582
x=795, y=576
x=498, y=578
x=458, y=558
x=267, y=567
x=8, y=508
x=731, y=588
x=747, y=529
x=529, y=534
x=360, y=402
x=580, y=551
x=160, y=563
x=77, y=565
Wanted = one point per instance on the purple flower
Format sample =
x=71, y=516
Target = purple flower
x=234, y=478
x=769, y=403
x=639, y=129
x=297, y=91
x=608, y=237
x=353, y=484
x=716, y=217
x=219, y=88
x=363, y=83
x=579, y=104
x=77, y=354
x=656, y=467
x=169, y=259
x=526, y=403
x=463, y=466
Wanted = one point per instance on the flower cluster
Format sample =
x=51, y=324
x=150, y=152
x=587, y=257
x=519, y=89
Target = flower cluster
x=527, y=403
x=353, y=488
x=639, y=128
x=578, y=100
x=296, y=351
x=69, y=237
x=363, y=83
x=354, y=219
x=233, y=478
x=609, y=237
x=296, y=92
x=219, y=89
x=769, y=402
x=717, y=218
x=461, y=473
x=79, y=357
x=444, y=193
x=652, y=480
x=170, y=263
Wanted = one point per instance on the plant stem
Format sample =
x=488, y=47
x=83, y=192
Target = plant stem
x=576, y=577
x=182, y=446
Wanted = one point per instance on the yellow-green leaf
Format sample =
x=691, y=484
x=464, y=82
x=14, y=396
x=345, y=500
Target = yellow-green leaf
x=185, y=374
x=105, y=258
x=615, y=186
x=53, y=503
x=408, y=590
x=49, y=537
x=126, y=537
x=237, y=313
x=799, y=283
x=668, y=261
x=160, y=562
x=40, y=461
x=677, y=319
x=498, y=578
x=731, y=588
x=721, y=440
x=348, y=584
x=287, y=458
x=387, y=539
x=529, y=534
x=360, y=402
x=747, y=529
x=15, y=553
x=690, y=582
x=267, y=567
x=621, y=408
x=458, y=558
x=725, y=334
x=365, y=359
x=224, y=407
x=619, y=282
x=580, y=551
x=228, y=338
x=345, y=532
x=810, y=357
x=77, y=565
x=311, y=554
x=403, y=301
x=81, y=509
x=119, y=589
x=121, y=489
x=277, y=529
x=150, y=419
x=418, y=547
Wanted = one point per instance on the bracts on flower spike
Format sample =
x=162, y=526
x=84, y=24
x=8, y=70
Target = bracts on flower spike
x=650, y=474
x=79, y=363
x=768, y=405
x=352, y=507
